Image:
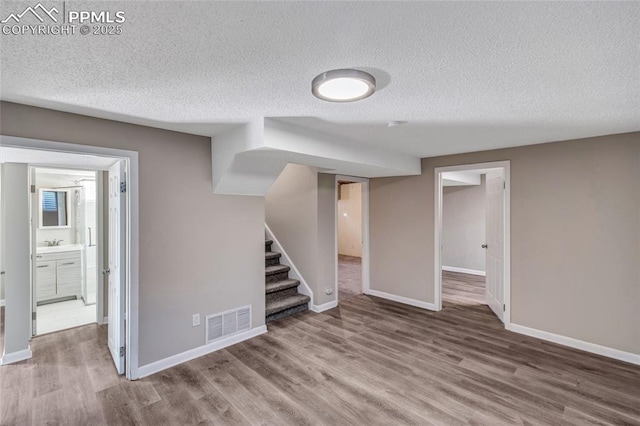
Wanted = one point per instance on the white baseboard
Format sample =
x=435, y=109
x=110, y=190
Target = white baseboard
x=464, y=270
x=324, y=306
x=16, y=356
x=105, y=320
x=577, y=344
x=402, y=299
x=1, y=302
x=174, y=360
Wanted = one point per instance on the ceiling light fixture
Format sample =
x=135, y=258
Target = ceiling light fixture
x=345, y=85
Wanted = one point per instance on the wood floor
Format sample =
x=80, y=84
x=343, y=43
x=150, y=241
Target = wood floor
x=368, y=362
x=349, y=277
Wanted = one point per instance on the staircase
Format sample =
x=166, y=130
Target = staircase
x=282, y=298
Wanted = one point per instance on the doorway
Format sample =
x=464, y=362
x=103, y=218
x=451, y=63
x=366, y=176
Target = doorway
x=352, y=262
x=116, y=269
x=66, y=234
x=472, y=238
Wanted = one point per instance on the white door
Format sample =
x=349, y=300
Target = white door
x=116, y=268
x=495, y=242
x=35, y=220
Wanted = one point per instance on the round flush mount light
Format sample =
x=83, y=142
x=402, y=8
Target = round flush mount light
x=345, y=85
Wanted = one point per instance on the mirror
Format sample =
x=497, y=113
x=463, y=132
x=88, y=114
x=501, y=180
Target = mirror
x=54, y=208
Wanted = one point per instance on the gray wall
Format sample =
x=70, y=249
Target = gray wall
x=300, y=210
x=199, y=252
x=327, y=256
x=16, y=249
x=463, y=226
x=575, y=236
x=291, y=211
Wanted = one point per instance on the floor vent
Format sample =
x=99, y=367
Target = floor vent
x=227, y=323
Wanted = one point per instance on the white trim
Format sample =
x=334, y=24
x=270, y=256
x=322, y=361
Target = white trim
x=163, y=364
x=437, y=241
x=1, y=302
x=506, y=166
x=366, y=256
x=33, y=211
x=335, y=239
x=105, y=320
x=464, y=270
x=286, y=260
x=402, y=299
x=132, y=243
x=577, y=344
x=100, y=246
x=16, y=356
x=324, y=307
x=131, y=309
x=366, y=269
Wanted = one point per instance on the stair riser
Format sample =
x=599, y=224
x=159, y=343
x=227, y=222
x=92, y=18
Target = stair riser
x=270, y=262
x=287, y=312
x=282, y=294
x=267, y=246
x=277, y=277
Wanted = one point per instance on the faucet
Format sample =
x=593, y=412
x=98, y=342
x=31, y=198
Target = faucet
x=53, y=243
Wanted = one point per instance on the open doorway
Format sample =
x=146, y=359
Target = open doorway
x=351, y=237
x=66, y=234
x=472, y=238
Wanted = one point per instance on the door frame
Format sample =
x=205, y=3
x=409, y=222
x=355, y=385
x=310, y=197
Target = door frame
x=366, y=284
x=506, y=166
x=132, y=235
x=100, y=318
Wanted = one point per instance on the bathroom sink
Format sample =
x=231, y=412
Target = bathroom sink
x=57, y=249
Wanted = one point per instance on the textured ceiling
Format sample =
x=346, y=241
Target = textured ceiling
x=467, y=76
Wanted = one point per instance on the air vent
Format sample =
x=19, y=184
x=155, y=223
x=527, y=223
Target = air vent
x=244, y=318
x=214, y=328
x=227, y=323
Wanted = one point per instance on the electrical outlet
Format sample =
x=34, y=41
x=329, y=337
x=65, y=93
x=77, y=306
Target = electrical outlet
x=196, y=320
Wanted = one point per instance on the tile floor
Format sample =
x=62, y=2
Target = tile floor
x=63, y=315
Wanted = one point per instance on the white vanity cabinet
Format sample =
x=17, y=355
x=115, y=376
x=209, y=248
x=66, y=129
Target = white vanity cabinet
x=58, y=275
x=45, y=280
